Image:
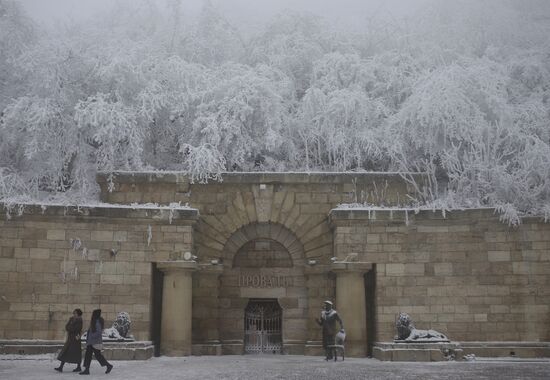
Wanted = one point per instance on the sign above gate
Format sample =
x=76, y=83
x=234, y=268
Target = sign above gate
x=256, y=280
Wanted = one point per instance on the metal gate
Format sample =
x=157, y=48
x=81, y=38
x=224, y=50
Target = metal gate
x=262, y=327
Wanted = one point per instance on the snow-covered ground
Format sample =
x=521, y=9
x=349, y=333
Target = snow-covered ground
x=277, y=367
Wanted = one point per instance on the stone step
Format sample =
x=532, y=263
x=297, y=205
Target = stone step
x=417, y=352
x=140, y=350
x=524, y=350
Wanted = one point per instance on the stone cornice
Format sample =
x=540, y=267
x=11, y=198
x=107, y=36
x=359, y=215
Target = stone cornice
x=253, y=177
x=351, y=216
x=148, y=213
x=175, y=266
x=350, y=266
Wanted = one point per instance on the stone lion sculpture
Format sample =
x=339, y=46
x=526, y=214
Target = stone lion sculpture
x=120, y=327
x=408, y=333
x=123, y=323
x=119, y=331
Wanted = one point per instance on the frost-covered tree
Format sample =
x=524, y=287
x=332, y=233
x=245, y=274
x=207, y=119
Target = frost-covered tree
x=460, y=91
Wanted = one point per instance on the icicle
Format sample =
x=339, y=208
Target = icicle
x=84, y=253
x=149, y=235
x=391, y=214
x=374, y=214
x=75, y=272
x=406, y=217
x=443, y=213
x=110, y=182
x=369, y=213
x=64, y=274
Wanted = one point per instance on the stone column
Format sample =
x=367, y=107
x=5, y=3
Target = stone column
x=351, y=304
x=175, y=330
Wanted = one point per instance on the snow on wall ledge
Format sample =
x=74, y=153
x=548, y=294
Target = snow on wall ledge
x=259, y=177
x=167, y=187
x=148, y=211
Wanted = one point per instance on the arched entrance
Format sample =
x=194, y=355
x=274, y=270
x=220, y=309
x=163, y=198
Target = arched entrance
x=263, y=296
x=263, y=327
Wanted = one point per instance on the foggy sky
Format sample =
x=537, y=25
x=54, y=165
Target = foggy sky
x=254, y=11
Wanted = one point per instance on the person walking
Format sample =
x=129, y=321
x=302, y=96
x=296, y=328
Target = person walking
x=328, y=319
x=71, y=351
x=94, y=343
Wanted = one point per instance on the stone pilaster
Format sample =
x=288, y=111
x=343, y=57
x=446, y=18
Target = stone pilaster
x=351, y=304
x=320, y=288
x=206, y=328
x=176, y=307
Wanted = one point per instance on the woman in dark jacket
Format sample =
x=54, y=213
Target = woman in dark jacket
x=94, y=343
x=71, y=351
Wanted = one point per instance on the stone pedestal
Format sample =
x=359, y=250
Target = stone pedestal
x=417, y=352
x=176, y=307
x=351, y=304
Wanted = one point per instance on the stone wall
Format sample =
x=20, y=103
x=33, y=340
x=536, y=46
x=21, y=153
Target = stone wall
x=56, y=259
x=465, y=273
x=291, y=207
x=276, y=236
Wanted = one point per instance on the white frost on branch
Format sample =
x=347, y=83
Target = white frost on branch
x=459, y=90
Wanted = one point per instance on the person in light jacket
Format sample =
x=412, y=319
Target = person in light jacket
x=71, y=351
x=94, y=343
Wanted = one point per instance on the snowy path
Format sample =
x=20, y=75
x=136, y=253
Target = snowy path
x=278, y=367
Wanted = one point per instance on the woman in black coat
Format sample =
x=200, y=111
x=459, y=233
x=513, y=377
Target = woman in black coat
x=71, y=351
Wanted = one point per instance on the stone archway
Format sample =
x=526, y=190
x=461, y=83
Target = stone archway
x=264, y=231
x=263, y=261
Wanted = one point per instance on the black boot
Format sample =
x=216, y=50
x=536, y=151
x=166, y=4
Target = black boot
x=77, y=369
x=109, y=368
x=85, y=372
x=60, y=368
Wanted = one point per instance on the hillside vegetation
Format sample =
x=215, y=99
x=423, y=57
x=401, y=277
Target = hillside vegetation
x=460, y=91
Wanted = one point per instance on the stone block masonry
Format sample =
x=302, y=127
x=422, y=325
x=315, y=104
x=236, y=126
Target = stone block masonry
x=56, y=259
x=272, y=237
x=465, y=273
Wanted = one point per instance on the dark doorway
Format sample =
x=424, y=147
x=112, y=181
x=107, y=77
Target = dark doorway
x=263, y=327
x=156, y=306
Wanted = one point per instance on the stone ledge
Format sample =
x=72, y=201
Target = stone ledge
x=232, y=347
x=111, y=211
x=344, y=216
x=507, y=349
x=351, y=266
x=417, y=352
x=177, y=265
x=255, y=177
x=141, y=350
x=212, y=349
